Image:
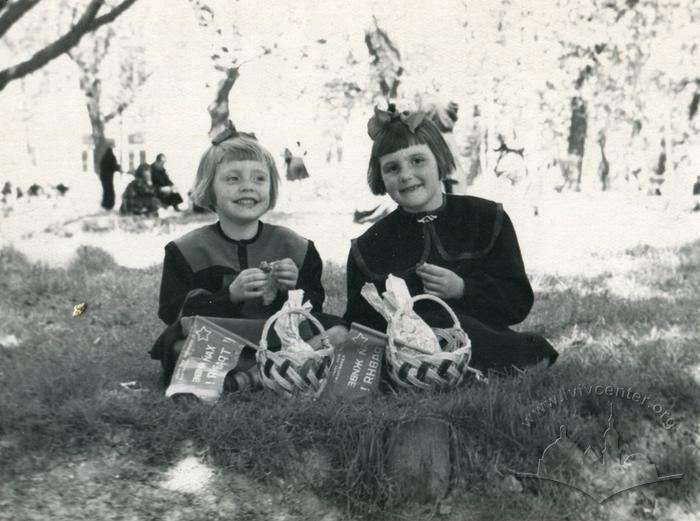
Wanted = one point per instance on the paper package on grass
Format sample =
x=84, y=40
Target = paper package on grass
x=410, y=331
x=287, y=327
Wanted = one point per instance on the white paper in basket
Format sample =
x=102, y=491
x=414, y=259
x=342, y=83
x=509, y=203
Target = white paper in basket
x=287, y=326
x=409, y=329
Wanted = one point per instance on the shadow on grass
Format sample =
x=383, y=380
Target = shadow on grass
x=62, y=394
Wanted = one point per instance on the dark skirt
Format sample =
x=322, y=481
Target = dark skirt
x=504, y=350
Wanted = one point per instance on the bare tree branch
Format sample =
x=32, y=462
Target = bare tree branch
x=122, y=106
x=111, y=16
x=53, y=50
x=15, y=11
x=88, y=22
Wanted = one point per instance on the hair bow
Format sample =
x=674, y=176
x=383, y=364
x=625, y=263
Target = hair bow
x=229, y=133
x=382, y=118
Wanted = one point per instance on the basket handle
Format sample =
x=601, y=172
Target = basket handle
x=418, y=298
x=298, y=311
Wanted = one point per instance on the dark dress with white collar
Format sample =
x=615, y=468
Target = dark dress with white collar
x=474, y=238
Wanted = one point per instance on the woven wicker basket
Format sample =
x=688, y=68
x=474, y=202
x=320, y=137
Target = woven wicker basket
x=435, y=371
x=284, y=373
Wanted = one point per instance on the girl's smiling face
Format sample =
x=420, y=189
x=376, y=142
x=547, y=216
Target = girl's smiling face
x=242, y=191
x=411, y=178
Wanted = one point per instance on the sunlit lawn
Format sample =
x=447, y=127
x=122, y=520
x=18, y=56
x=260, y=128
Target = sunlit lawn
x=61, y=389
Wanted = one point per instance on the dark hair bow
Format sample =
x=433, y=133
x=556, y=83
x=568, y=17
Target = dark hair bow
x=229, y=133
x=382, y=118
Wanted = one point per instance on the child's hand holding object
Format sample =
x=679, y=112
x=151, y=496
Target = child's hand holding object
x=270, y=288
x=248, y=284
x=440, y=282
x=286, y=273
x=281, y=274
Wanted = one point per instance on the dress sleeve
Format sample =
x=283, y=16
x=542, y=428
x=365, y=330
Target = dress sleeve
x=499, y=293
x=178, y=293
x=175, y=283
x=358, y=309
x=310, y=278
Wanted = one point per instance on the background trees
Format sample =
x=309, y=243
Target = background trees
x=112, y=69
x=605, y=93
x=93, y=15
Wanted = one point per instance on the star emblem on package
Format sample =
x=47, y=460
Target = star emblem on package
x=202, y=333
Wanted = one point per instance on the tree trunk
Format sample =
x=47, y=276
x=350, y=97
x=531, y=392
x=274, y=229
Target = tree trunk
x=604, y=166
x=385, y=61
x=577, y=138
x=474, y=142
x=27, y=122
x=97, y=125
x=420, y=459
x=660, y=169
x=219, y=108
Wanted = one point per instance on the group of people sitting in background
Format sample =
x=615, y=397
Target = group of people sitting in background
x=150, y=190
x=10, y=192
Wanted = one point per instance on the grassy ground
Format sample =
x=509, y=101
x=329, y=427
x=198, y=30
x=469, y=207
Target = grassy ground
x=61, y=395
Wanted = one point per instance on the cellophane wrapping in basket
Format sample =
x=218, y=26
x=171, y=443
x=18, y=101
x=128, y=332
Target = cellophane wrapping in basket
x=411, y=331
x=287, y=327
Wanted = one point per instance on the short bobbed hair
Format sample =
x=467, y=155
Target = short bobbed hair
x=397, y=135
x=240, y=148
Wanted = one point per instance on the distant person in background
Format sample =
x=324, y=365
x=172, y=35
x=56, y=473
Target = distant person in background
x=108, y=165
x=696, y=194
x=296, y=169
x=165, y=189
x=6, y=190
x=139, y=198
x=61, y=189
x=35, y=190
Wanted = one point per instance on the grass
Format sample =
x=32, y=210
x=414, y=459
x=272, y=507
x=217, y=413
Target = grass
x=61, y=390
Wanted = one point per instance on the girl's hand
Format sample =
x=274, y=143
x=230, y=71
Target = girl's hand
x=286, y=273
x=249, y=284
x=441, y=282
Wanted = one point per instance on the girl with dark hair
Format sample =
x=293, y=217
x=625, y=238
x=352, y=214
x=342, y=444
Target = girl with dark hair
x=460, y=248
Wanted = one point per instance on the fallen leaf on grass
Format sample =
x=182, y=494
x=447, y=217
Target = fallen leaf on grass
x=79, y=309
